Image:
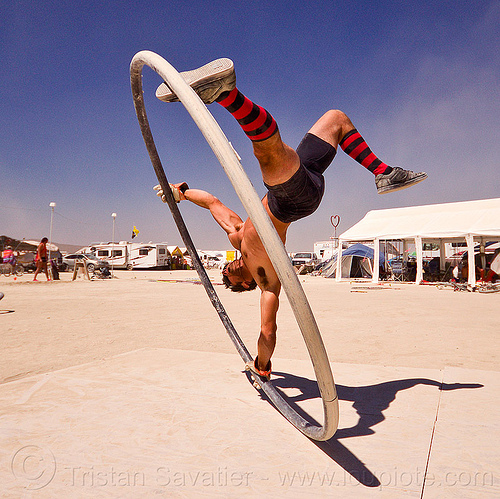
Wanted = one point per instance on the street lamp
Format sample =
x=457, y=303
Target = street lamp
x=335, y=221
x=52, y=206
x=113, y=243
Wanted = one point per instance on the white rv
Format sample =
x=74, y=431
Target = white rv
x=125, y=255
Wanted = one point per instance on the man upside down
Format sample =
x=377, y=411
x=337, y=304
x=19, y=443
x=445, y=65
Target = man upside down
x=294, y=179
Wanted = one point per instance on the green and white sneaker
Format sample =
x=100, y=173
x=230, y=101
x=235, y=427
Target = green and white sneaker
x=208, y=82
x=398, y=179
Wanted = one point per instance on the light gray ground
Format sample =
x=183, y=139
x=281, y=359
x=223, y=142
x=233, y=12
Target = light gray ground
x=416, y=367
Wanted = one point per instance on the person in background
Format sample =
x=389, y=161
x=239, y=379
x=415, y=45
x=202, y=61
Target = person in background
x=41, y=259
x=8, y=256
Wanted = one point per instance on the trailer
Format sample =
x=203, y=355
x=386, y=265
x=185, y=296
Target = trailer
x=125, y=255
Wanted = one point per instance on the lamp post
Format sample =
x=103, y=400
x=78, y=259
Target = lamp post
x=113, y=243
x=52, y=206
x=335, y=221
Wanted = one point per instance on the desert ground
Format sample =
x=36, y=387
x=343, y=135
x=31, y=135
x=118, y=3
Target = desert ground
x=65, y=323
x=107, y=376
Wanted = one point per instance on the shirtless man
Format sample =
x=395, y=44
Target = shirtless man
x=294, y=180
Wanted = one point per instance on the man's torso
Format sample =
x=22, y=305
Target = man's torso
x=255, y=255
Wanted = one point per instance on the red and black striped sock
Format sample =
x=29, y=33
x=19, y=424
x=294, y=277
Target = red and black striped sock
x=355, y=146
x=255, y=121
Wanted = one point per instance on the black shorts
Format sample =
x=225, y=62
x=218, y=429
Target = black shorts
x=301, y=194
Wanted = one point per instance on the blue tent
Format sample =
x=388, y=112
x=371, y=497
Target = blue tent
x=356, y=262
x=363, y=251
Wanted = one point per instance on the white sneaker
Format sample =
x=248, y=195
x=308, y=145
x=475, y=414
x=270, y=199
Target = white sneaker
x=208, y=82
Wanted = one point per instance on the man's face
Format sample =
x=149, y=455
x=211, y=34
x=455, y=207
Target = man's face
x=237, y=273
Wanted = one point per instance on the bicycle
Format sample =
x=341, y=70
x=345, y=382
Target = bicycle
x=102, y=273
x=489, y=287
x=8, y=269
x=480, y=287
x=456, y=286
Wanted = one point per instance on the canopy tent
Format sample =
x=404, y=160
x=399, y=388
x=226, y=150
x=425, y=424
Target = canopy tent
x=50, y=246
x=17, y=245
x=175, y=251
x=495, y=264
x=472, y=221
x=357, y=261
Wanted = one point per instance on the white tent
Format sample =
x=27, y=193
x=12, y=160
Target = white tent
x=495, y=264
x=472, y=221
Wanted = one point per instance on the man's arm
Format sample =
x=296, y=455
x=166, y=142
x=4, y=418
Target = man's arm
x=226, y=218
x=269, y=303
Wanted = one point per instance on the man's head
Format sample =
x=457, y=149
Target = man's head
x=236, y=277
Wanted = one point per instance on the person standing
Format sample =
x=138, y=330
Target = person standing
x=41, y=259
x=8, y=256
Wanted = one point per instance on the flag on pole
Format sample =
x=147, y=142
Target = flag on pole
x=135, y=231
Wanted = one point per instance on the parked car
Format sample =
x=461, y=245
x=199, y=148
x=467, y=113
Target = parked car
x=305, y=259
x=91, y=261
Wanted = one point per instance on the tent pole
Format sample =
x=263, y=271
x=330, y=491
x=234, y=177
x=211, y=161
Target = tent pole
x=420, y=260
x=471, y=260
x=483, y=254
x=338, y=275
x=376, y=258
x=442, y=256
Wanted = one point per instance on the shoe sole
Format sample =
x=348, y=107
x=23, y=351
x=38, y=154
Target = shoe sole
x=196, y=78
x=251, y=368
x=400, y=187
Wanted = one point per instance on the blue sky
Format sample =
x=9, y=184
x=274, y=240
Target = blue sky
x=420, y=80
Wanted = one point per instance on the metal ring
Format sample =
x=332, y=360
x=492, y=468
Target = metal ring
x=270, y=239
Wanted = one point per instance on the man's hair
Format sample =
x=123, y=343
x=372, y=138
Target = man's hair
x=236, y=288
x=44, y=240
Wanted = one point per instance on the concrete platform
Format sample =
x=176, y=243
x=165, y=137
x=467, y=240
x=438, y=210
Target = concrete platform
x=178, y=423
